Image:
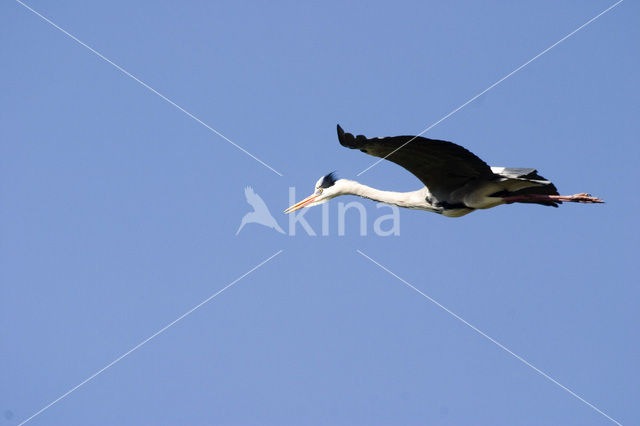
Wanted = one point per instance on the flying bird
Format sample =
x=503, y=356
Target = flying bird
x=260, y=213
x=456, y=182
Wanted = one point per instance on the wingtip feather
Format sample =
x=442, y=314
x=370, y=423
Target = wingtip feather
x=340, y=135
x=347, y=139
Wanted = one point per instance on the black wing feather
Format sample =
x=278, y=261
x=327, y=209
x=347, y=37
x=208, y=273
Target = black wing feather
x=442, y=166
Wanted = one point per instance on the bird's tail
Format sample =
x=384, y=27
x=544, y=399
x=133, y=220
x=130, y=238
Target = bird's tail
x=525, y=182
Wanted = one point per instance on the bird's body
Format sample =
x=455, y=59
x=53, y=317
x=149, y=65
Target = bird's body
x=456, y=181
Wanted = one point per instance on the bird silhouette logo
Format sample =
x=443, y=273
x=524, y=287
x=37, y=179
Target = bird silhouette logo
x=260, y=213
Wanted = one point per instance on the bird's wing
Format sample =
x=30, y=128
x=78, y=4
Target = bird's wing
x=254, y=200
x=442, y=166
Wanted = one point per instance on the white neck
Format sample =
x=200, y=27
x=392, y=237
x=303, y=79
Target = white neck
x=413, y=199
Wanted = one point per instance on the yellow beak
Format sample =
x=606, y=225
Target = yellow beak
x=302, y=203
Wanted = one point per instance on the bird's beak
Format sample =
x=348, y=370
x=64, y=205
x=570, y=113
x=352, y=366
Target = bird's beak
x=302, y=203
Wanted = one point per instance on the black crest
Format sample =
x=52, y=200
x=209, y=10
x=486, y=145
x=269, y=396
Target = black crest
x=328, y=180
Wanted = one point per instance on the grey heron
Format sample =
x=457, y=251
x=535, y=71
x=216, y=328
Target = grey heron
x=456, y=182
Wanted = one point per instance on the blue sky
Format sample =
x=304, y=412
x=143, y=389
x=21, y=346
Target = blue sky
x=119, y=212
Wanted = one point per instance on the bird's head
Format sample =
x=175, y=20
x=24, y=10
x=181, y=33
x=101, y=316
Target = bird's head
x=327, y=187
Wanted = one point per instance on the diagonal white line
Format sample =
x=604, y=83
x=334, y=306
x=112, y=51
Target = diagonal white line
x=128, y=74
x=136, y=347
x=491, y=339
x=496, y=83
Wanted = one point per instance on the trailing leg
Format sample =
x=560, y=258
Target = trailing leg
x=541, y=198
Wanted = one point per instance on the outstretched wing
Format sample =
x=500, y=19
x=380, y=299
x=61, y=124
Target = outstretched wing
x=254, y=200
x=442, y=166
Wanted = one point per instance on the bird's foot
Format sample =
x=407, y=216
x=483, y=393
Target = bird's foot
x=583, y=197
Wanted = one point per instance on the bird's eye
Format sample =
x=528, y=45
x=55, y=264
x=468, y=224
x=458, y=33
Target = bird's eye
x=319, y=190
